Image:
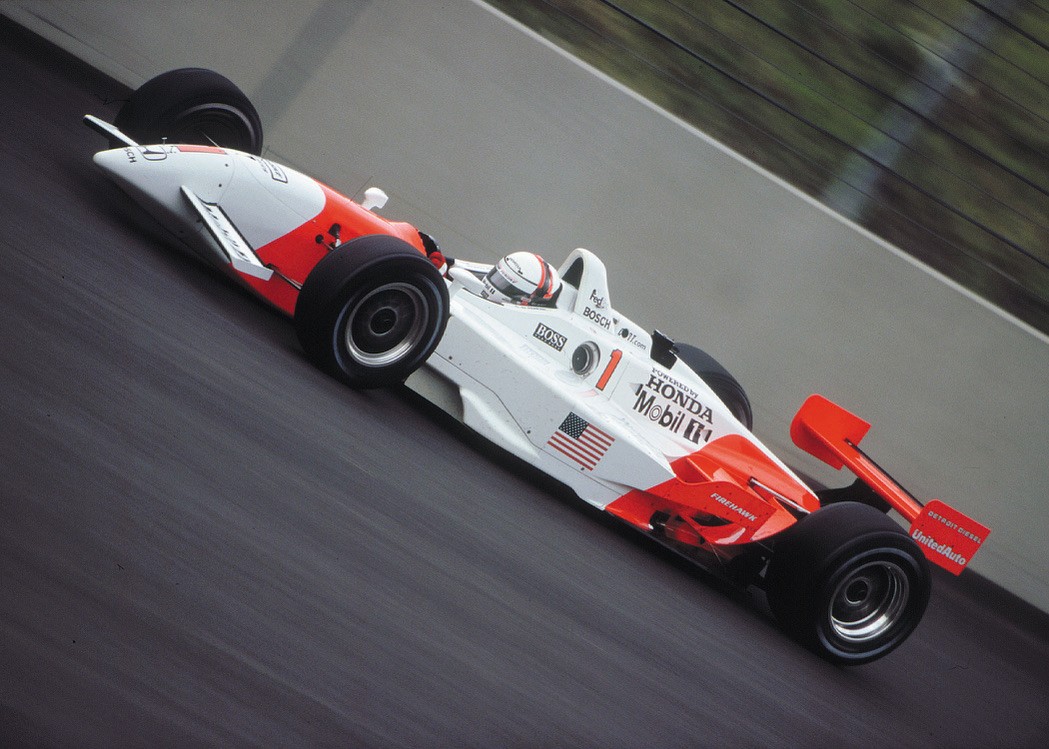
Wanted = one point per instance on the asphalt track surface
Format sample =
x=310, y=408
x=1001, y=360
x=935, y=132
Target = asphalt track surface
x=204, y=541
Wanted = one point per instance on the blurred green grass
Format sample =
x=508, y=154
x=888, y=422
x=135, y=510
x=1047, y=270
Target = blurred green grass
x=810, y=90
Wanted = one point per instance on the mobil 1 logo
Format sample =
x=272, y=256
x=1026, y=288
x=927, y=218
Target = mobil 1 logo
x=675, y=407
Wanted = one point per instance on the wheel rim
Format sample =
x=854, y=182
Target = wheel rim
x=386, y=324
x=869, y=601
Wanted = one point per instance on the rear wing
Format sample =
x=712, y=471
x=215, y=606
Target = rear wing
x=946, y=536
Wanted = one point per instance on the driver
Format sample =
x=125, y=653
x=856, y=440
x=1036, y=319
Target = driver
x=522, y=278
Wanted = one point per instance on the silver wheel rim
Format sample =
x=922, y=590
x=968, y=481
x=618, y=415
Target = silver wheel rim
x=386, y=324
x=869, y=601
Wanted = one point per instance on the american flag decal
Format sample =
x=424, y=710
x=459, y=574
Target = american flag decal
x=581, y=441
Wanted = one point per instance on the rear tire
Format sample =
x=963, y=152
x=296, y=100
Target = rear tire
x=371, y=312
x=848, y=583
x=192, y=106
x=724, y=385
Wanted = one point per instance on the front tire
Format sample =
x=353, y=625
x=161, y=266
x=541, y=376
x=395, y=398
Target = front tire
x=371, y=312
x=193, y=106
x=848, y=583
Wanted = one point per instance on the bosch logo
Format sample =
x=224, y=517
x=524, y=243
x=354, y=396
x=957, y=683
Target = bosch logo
x=592, y=314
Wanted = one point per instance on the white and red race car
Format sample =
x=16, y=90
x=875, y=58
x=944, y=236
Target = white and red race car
x=654, y=432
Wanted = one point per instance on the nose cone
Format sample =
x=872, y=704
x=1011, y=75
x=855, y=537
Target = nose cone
x=153, y=176
x=114, y=164
x=156, y=174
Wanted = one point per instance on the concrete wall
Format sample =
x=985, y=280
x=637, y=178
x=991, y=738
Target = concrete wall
x=493, y=140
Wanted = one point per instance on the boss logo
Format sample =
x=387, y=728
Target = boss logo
x=550, y=337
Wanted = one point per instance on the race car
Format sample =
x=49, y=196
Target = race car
x=539, y=361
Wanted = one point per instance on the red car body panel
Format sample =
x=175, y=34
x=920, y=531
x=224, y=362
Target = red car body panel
x=295, y=253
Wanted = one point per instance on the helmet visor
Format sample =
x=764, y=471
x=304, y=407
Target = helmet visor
x=503, y=285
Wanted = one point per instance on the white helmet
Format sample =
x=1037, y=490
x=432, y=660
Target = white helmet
x=522, y=278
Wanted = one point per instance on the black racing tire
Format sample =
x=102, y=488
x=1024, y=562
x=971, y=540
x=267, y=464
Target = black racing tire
x=724, y=385
x=371, y=312
x=848, y=582
x=193, y=106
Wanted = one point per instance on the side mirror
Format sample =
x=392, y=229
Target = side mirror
x=374, y=199
x=663, y=350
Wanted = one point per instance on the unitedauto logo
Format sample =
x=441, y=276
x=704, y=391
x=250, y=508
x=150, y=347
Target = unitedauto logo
x=943, y=549
x=947, y=537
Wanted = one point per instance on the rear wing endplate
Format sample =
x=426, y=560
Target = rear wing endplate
x=946, y=536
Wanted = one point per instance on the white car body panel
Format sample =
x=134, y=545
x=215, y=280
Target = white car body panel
x=500, y=372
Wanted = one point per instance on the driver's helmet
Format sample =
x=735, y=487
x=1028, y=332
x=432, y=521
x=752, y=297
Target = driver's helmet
x=522, y=278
